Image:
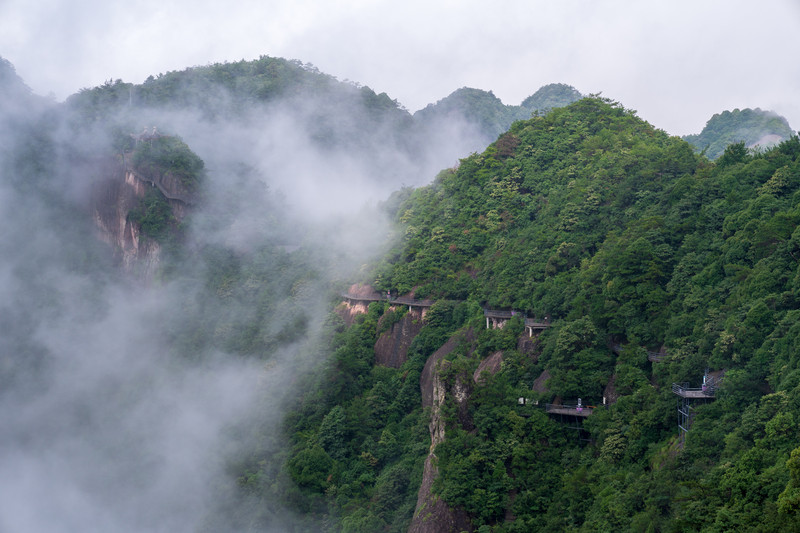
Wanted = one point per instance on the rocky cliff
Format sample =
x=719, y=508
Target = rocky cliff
x=432, y=515
x=391, y=349
x=118, y=190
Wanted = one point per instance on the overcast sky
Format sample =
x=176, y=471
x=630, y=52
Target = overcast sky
x=676, y=62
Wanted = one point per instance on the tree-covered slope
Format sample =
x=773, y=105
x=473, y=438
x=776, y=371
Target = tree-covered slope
x=485, y=116
x=550, y=97
x=621, y=235
x=754, y=127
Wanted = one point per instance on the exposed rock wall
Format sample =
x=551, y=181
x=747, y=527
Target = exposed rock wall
x=391, y=349
x=116, y=190
x=349, y=310
x=354, y=305
x=432, y=515
x=529, y=346
x=491, y=364
x=114, y=194
x=540, y=383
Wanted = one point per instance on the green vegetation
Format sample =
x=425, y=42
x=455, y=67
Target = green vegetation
x=154, y=216
x=550, y=97
x=169, y=155
x=620, y=234
x=750, y=126
x=489, y=116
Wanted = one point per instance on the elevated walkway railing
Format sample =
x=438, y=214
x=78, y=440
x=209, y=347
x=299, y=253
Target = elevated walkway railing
x=570, y=410
x=708, y=390
x=404, y=300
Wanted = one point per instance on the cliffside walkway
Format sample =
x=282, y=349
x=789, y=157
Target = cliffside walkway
x=169, y=195
x=400, y=300
x=494, y=318
x=497, y=319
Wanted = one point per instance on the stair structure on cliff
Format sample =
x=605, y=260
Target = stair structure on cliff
x=496, y=319
x=687, y=397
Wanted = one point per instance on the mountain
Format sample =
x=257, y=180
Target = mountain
x=753, y=127
x=584, y=259
x=480, y=117
x=513, y=357
x=395, y=147
x=550, y=97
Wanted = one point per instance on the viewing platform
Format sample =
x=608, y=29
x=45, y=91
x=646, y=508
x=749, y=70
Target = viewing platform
x=684, y=391
x=711, y=382
x=687, y=397
x=569, y=410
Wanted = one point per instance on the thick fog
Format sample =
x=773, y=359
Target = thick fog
x=676, y=62
x=117, y=414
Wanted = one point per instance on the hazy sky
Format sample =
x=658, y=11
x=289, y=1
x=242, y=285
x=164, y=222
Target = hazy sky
x=676, y=62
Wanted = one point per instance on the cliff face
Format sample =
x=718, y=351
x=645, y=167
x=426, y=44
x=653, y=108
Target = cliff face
x=391, y=349
x=116, y=191
x=433, y=515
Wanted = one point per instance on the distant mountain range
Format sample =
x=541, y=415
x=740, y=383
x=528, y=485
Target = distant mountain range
x=753, y=127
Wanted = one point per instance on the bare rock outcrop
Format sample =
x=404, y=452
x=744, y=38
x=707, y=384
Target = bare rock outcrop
x=356, y=301
x=529, y=346
x=426, y=380
x=491, y=364
x=540, y=383
x=391, y=349
x=432, y=515
x=610, y=394
x=115, y=192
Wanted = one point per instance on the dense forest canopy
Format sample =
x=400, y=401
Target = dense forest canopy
x=753, y=127
x=623, y=236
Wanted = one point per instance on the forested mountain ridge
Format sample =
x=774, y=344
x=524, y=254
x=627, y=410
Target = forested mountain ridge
x=622, y=236
x=485, y=115
x=753, y=127
x=335, y=115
